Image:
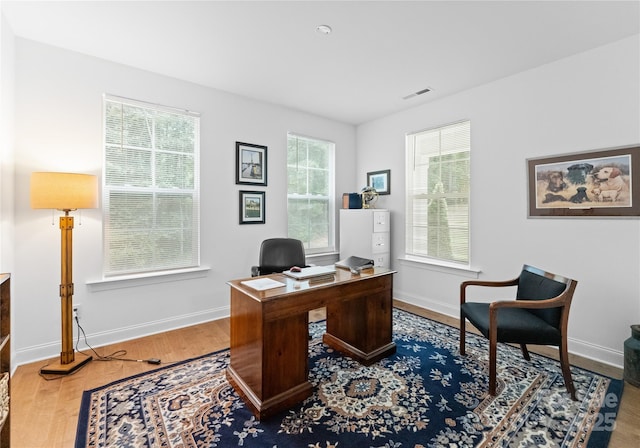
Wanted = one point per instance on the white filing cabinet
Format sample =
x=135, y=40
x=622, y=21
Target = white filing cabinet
x=366, y=233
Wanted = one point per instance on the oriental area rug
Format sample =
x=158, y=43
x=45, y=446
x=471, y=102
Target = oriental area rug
x=425, y=395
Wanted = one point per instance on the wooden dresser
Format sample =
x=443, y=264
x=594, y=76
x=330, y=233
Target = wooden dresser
x=5, y=358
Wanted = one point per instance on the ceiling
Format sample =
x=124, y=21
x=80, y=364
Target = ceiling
x=378, y=53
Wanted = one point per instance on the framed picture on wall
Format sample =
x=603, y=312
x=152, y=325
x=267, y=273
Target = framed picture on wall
x=251, y=164
x=602, y=183
x=252, y=207
x=380, y=180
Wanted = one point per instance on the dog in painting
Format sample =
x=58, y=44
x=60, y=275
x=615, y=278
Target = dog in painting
x=556, y=181
x=610, y=178
x=610, y=184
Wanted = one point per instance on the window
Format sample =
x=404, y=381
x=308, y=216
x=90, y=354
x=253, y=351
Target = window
x=151, y=187
x=438, y=173
x=310, y=192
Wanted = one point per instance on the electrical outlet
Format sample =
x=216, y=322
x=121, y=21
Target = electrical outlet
x=76, y=311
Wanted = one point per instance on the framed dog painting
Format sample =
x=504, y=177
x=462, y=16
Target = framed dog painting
x=596, y=183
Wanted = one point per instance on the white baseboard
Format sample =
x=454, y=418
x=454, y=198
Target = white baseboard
x=431, y=305
x=596, y=352
x=51, y=350
x=576, y=346
x=46, y=351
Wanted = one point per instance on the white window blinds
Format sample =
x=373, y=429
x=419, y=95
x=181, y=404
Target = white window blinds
x=151, y=195
x=438, y=187
x=310, y=197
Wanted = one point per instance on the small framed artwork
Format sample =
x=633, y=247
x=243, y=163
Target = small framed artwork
x=252, y=207
x=251, y=164
x=380, y=180
x=595, y=183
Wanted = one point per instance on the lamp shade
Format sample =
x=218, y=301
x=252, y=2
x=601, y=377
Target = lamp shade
x=64, y=191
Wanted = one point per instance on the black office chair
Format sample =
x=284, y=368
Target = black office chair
x=279, y=254
x=538, y=316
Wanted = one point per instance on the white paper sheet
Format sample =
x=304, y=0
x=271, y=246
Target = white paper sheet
x=260, y=284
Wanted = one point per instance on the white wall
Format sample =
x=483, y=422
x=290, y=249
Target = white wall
x=589, y=101
x=585, y=102
x=59, y=128
x=6, y=146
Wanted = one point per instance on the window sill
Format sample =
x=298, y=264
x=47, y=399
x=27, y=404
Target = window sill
x=322, y=259
x=149, y=278
x=440, y=266
x=322, y=254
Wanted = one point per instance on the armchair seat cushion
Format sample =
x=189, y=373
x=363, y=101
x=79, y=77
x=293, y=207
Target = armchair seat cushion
x=514, y=325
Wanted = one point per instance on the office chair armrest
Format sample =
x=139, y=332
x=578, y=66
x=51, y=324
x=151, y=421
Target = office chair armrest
x=255, y=271
x=494, y=284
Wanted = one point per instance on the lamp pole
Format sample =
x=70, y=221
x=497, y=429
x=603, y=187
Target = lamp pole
x=66, y=287
x=68, y=363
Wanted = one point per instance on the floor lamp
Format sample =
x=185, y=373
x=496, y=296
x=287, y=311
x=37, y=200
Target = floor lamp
x=65, y=192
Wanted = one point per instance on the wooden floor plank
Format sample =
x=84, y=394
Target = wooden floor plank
x=45, y=413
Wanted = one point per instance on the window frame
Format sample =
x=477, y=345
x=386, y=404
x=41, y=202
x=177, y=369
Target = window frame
x=329, y=197
x=156, y=191
x=412, y=193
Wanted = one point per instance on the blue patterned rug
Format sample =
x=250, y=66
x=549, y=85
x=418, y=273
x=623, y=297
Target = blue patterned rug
x=425, y=395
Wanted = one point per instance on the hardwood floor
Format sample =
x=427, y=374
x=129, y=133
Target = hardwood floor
x=44, y=413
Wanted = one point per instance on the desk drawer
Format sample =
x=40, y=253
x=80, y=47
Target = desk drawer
x=380, y=242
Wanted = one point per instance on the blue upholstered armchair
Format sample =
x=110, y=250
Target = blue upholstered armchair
x=538, y=316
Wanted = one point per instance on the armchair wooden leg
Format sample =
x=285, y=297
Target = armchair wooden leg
x=492, y=367
x=493, y=349
x=525, y=352
x=462, y=335
x=566, y=369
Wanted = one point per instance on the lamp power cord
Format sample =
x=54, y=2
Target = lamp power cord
x=118, y=355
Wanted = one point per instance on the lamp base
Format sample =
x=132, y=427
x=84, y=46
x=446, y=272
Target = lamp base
x=66, y=369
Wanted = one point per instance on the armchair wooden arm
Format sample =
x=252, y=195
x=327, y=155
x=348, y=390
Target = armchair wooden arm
x=495, y=284
x=531, y=304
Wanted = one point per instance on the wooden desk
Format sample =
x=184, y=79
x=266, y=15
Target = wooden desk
x=269, y=332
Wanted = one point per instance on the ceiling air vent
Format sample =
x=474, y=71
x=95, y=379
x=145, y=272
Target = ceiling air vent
x=419, y=92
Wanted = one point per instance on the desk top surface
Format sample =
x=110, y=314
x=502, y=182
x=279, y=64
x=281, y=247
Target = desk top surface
x=291, y=285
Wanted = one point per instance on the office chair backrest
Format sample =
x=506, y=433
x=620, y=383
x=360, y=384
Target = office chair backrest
x=279, y=254
x=536, y=284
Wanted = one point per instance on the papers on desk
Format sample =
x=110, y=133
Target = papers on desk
x=311, y=272
x=260, y=284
